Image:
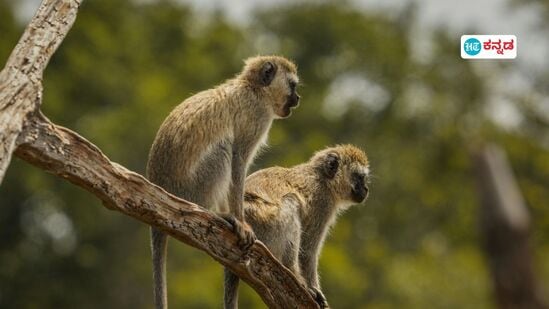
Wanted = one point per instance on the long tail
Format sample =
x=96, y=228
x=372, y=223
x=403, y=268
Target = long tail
x=230, y=298
x=159, y=246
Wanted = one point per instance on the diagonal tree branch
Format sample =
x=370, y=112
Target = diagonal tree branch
x=68, y=155
x=63, y=152
x=21, y=78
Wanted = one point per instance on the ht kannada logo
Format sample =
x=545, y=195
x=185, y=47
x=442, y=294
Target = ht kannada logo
x=472, y=47
x=488, y=46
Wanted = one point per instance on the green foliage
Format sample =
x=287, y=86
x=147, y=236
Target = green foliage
x=126, y=64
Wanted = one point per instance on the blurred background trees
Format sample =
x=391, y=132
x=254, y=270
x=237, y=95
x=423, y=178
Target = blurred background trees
x=414, y=244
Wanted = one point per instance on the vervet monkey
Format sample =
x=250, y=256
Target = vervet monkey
x=202, y=151
x=292, y=209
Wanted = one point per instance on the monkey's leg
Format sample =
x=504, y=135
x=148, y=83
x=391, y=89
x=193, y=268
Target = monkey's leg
x=309, y=268
x=290, y=259
x=236, y=199
x=230, y=298
x=292, y=241
x=159, y=246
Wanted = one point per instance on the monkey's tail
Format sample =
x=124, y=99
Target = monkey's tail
x=230, y=298
x=159, y=245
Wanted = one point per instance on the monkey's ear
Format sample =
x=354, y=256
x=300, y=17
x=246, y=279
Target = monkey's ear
x=331, y=165
x=267, y=73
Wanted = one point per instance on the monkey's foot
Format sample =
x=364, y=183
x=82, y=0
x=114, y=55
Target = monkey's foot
x=319, y=298
x=245, y=233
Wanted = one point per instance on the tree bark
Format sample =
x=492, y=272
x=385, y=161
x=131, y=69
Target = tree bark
x=66, y=154
x=21, y=78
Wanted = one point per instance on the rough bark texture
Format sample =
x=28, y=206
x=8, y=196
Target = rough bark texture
x=66, y=154
x=21, y=78
x=505, y=224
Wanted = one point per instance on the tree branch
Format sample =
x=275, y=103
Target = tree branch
x=63, y=152
x=21, y=78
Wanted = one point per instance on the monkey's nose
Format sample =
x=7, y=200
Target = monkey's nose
x=293, y=100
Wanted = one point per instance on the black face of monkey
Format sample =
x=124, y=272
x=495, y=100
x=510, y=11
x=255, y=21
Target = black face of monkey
x=292, y=100
x=359, y=190
x=345, y=172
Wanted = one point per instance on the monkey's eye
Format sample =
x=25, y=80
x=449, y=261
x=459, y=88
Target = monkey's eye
x=292, y=84
x=359, y=177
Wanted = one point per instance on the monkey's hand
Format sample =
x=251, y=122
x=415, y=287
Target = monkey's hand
x=245, y=233
x=319, y=298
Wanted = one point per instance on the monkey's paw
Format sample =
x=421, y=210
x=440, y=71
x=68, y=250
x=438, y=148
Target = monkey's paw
x=245, y=233
x=319, y=298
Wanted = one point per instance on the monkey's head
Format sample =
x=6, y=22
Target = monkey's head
x=346, y=170
x=276, y=79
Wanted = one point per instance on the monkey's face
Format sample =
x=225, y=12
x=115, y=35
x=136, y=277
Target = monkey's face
x=292, y=99
x=359, y=187
x=347, y=170
x=284, y=88
x=277, y=78
x=352, y=184
x=281, y=87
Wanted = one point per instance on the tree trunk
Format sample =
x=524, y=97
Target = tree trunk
x=505, y=224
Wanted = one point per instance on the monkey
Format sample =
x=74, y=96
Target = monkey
x=292, y=209
x=204, y=147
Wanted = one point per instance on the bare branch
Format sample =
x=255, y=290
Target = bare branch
x=68, y=155
x=21, y=78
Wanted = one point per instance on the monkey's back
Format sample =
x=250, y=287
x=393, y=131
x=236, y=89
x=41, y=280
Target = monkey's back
x=273, y=213
x=194, y=140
